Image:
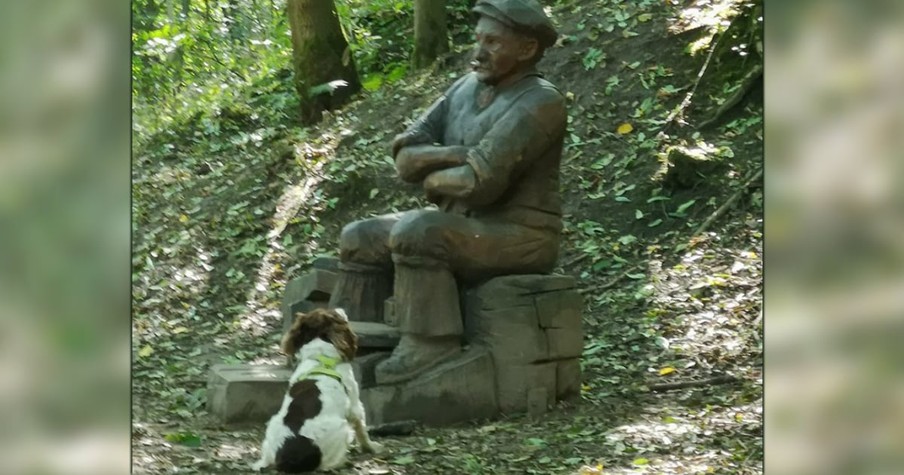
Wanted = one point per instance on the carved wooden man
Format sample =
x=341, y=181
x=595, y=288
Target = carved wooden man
x=487, y=153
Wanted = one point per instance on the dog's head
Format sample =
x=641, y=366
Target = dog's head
x=330, y=325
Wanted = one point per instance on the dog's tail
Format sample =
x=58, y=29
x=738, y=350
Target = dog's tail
x=298, y=454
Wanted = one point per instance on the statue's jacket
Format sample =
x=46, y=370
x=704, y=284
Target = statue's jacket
x=514, y=135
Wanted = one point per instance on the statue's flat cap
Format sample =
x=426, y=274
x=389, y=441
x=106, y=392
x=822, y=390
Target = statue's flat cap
x=525, y=16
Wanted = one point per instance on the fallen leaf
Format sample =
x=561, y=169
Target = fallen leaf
x=184, y=438
x=588, y=470
x=625, y=128
x=666, y=370
x=403, y=460
x=145, y=352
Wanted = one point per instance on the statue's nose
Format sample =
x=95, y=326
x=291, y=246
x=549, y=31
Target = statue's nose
x=481, y=54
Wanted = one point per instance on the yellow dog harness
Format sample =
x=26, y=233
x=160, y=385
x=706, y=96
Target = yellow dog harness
x=327, y=367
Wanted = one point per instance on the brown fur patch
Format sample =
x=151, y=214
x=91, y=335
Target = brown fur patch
x=326, y=324
x=305, y=404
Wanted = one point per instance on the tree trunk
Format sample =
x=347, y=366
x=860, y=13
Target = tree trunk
x=320, y=55
x=431, y=38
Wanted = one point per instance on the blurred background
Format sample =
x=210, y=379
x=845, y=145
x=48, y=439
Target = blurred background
x=64, y=237
x=834, y=237
x=834, y=230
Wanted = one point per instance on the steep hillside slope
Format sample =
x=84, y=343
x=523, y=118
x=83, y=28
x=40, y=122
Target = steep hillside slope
x=663, y=230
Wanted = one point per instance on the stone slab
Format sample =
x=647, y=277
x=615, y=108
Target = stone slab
x=506, y=291
x=568, y=379
x=326, y=263
x=537, y=402
x=526, y=284
x=512, y=334
x=306, y=293
x=363, y=367
x=456, y=391
x=513, y=382
x=375, y=335
x=240, y=394
x=560, y=309
x=564, y=342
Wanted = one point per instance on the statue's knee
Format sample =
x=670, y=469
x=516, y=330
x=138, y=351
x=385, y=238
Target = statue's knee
x=362, y=241
x=350, y=238
x=422, y=234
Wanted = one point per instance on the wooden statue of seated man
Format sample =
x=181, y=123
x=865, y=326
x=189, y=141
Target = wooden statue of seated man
x=487, y=154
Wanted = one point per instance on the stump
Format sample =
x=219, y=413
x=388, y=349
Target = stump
x=531, y=325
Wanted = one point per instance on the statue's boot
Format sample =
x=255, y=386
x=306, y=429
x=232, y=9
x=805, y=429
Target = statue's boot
x=428, y=313
x=361, y=291
x=414, y=355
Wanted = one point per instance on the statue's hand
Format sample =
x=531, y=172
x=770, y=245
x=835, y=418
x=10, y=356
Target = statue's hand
x=406, y=139
x=415, y=162
x=454, y=182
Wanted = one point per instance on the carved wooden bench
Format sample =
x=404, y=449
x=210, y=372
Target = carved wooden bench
x=523, y=338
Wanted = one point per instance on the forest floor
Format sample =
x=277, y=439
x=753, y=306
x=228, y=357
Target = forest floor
x=227, y=210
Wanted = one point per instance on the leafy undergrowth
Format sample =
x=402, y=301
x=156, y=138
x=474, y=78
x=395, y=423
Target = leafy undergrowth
x=227, y=208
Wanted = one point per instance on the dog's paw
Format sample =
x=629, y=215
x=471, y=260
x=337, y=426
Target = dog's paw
x=375, y=448
x=257, y=466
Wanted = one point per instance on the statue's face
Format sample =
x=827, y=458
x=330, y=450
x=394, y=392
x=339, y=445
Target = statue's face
x=500, y=51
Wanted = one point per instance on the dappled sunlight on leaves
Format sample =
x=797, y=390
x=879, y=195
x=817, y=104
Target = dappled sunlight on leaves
x=262, y=296
x=712, y=15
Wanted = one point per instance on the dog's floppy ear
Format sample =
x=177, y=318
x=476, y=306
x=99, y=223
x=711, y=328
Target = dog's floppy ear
x=305, y=328
x=342, y=336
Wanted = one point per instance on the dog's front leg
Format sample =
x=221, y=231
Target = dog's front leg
x=364, y=438
x=262, y=463
x=356, y=418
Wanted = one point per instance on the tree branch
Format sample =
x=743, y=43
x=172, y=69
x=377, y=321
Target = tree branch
x=613, y=281
x=749, y=80
x=724, y=379
x=722, y=209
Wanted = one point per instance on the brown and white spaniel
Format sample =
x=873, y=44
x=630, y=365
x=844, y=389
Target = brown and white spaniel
x=322, y=408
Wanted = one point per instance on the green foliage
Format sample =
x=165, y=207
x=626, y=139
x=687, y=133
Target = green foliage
x=378, y=33
x=207, y=58
x=593, y=57
x=203, y=60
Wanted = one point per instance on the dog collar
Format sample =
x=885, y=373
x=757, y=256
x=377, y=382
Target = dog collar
x=327, y=367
